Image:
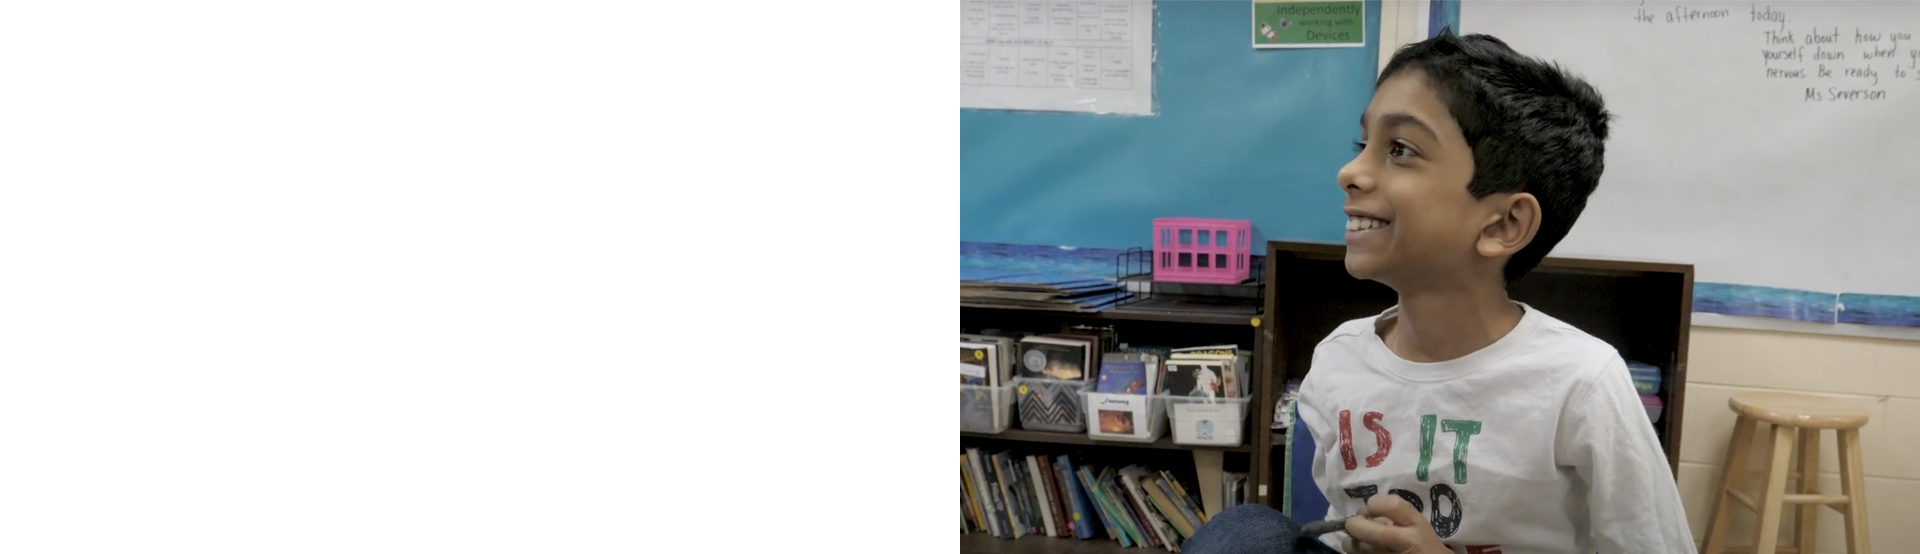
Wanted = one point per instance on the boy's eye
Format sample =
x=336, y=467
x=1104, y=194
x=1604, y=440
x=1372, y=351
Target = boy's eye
x=1397, y=150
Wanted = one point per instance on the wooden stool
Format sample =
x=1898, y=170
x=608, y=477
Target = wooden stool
x=1789, y=413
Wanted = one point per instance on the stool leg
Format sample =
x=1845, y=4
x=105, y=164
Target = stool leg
x=1805, y=522
x=1774, y=501
x=1853, y=484
x=1730, y=477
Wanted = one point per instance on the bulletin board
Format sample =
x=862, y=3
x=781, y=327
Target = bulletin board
x=1239, y=133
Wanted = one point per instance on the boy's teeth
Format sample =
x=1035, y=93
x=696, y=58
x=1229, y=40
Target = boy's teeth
x=1357, y=223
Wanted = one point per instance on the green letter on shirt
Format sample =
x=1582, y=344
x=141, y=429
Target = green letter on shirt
x=1426, y=445
x=1463, y=430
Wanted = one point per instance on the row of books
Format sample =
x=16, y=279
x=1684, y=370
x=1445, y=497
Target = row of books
x=1012, y=495
x=1234, y=485
x=995, y=360
x=1215, y=371
x=1063, y=359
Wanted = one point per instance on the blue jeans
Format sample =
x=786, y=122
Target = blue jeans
x=1251, y=529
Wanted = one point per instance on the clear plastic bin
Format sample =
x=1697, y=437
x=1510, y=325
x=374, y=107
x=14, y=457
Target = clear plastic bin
x=1052, y=405
x=1207, y=421
x=1125, y=417
x=985, y=409
x=1653, y=405
x=1646, y=378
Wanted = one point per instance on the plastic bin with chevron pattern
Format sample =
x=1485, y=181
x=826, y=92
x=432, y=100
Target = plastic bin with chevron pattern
x=1052, y=405
x=1207, y=421
x=985, y=409
x=1125, y=417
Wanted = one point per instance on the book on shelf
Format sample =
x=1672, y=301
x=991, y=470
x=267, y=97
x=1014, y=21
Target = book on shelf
x=1218, y=371
x=1008, y=349
x=1233, y=488
x=1161, y=352
x=1163, y=501
x=1078, y=508
x=1286, y=455
x=1010, y=494
x=1068, y=382
x=1102, y=337
x=1157, y=527
x=1194, y=378
x=1054, y=369
x=1128, y=373
x=985, y=361
x=979, y=363
x=1057, y=357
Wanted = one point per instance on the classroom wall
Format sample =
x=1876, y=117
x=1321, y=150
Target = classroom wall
x=1883, y=374
x=1241, y=134
x=1258, y=135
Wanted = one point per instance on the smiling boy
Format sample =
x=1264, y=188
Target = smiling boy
x=1460, y=420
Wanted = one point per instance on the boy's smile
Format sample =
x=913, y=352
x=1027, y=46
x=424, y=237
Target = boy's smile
x=1407, y=201
x=1361, y=223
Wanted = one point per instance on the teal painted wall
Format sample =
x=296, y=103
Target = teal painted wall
x=1240, y=134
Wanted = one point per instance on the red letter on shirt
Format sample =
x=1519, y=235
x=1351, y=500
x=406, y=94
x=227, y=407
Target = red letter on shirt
x=1383, y=440
x=1485, y=549
x=1346, y=440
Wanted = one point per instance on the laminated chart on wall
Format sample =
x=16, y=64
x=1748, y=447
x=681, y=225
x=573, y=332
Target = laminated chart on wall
x=1084, y=56
x=1309, y=23
x=1768, y=144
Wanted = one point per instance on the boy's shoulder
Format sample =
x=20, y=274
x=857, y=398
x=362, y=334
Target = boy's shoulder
x=1354, y=329
x=1565, y=344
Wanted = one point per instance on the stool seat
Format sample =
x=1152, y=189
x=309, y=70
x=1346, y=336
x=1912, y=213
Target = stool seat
x=1799, y=410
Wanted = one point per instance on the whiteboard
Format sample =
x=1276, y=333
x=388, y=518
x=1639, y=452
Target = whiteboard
x=1740, y=156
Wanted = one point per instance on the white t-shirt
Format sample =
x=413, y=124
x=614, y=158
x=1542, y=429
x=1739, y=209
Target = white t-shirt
x=1537, y=443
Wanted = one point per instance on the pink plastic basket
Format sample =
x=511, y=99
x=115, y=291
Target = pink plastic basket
x=1193, y=250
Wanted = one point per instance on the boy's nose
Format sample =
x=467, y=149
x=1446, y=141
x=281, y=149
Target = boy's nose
x=1355, y=177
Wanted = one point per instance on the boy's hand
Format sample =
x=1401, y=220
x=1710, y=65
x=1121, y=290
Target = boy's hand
x=1390, y=526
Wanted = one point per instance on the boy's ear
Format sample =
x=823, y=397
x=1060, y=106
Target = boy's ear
x=1515, y=218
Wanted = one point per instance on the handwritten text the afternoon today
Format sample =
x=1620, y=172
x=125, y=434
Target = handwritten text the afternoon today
x=1835, y=63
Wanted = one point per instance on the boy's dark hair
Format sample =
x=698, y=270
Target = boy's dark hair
x=1532, y=126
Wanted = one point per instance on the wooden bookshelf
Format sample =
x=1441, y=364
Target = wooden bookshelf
x=1165, y=442
x=1175, y=320
x=1642, y=308
x=1161, y=310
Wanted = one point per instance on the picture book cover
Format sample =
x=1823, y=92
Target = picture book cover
x=980, y=408
x=1214, y=350
x=1233, y=377
x=1120, y=414
x=1116, y=422
x=1094, y=338
x=1053, y=358
x=1156, y=358
x=1201, y=379
x=1232, y=372
x=1007, y=347
x=1122, y=377
x=978, y=364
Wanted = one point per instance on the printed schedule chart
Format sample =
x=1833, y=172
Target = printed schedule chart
x=1084, y=56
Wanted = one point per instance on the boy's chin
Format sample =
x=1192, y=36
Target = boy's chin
x=1361, y=266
